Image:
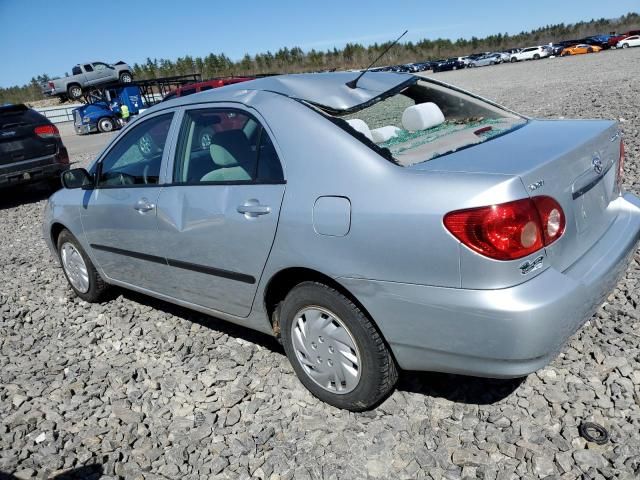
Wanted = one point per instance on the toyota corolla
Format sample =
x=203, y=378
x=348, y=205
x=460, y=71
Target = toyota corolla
x=373, y=224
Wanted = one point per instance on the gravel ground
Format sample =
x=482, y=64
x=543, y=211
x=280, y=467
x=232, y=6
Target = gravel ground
x=136, y=388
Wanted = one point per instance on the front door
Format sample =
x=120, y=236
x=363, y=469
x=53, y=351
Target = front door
x=119, y=215
x=218, y=220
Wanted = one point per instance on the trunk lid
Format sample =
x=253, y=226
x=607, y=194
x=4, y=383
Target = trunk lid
x=574, y=162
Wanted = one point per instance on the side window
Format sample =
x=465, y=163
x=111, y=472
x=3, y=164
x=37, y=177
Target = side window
x=88, y=68
x=99, y=66
x=137, y=157
x=269, y=168
x=217, y=146
x=76, y=70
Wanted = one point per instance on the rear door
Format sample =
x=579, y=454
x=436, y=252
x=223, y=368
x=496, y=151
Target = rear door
x=217, y=221
x=119, y=215
x=19, y=140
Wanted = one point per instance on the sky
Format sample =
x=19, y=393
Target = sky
x=40, y=36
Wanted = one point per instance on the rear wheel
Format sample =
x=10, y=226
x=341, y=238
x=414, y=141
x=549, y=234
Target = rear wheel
x=536, y=57
x=125, y=77
x=74, y=92
x=82, y=276
x=334, y=348
x=625, y=45
x=514, y=60
x=106, y=124
x=589, y=50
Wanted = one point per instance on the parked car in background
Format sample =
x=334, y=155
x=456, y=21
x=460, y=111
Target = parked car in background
x=601, y=41
x=530, y=53
x=579, y=50
x=632, y=41
x=449, y=64
x=491, y=59
x=274, y=225
x=613, y=41
x=86, y=75
x=197, y=87
x=30, y=148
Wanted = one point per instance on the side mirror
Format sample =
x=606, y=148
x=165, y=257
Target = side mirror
x=77, y=178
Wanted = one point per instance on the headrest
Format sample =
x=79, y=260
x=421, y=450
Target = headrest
x=360, y=126
x=382, y=134
x=422, y=116
x=221, y=156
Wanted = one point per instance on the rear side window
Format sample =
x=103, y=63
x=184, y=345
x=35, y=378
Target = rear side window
x=224, y=146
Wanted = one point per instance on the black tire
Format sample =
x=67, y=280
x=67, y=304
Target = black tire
x=536, y=56
x=126, y=77
x=97, y=286
x=589, y=50
x=514, y=60
x=625, y=45
x=74, y=91
x=106, y=124
x=378, y=370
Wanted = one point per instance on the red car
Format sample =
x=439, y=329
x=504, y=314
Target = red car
x=206, y=85
x=616, y=38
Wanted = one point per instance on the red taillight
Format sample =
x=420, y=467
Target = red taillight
x=551, y=218
x=620, y=171
x=47, y=131
x=508, y=231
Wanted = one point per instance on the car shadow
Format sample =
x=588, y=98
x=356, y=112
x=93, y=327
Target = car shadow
x=207, y=321
x=452, y=387
x=87, y=472
x=459, y=388
x=11, y=197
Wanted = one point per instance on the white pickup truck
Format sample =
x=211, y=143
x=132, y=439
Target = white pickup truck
x=86, y=75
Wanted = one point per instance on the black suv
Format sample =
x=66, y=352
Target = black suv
x=30, y=147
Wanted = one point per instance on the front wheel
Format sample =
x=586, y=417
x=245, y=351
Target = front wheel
x=536, y=57
x=625, y=45
x=126, y=77
x=106, y=125
x=514, y=60
x=334, y=348
x=82, y=276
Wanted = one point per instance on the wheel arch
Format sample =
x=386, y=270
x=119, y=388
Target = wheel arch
x=55, y=231
x=282, y=282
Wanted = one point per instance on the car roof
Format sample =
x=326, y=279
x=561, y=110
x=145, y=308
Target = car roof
x=326, y=90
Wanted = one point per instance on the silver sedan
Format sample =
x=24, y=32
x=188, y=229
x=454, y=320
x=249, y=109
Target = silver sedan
x=373, y=224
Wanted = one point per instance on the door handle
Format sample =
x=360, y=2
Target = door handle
x=252, y=208
x=144, y=205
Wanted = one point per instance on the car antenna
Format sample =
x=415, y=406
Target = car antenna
x=354, y=83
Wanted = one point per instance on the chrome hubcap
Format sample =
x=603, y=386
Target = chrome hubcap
x=205, y=140
x=145, y=144
x=326, y=350
x=74, y=267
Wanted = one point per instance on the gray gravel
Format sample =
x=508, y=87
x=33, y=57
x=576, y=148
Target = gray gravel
x=145, y=390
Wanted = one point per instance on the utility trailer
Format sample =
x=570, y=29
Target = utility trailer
x=102, y=109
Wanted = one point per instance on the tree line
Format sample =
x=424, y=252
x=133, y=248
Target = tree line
x=352, y=56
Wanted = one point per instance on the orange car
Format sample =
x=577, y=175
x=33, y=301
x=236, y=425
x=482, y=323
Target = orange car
x=580, y=49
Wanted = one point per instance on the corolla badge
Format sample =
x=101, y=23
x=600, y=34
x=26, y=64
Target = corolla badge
x=597, y=163
x=531, y=265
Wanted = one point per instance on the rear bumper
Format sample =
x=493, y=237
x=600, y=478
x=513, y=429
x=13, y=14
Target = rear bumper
x=28, y=171
x=502, y=333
